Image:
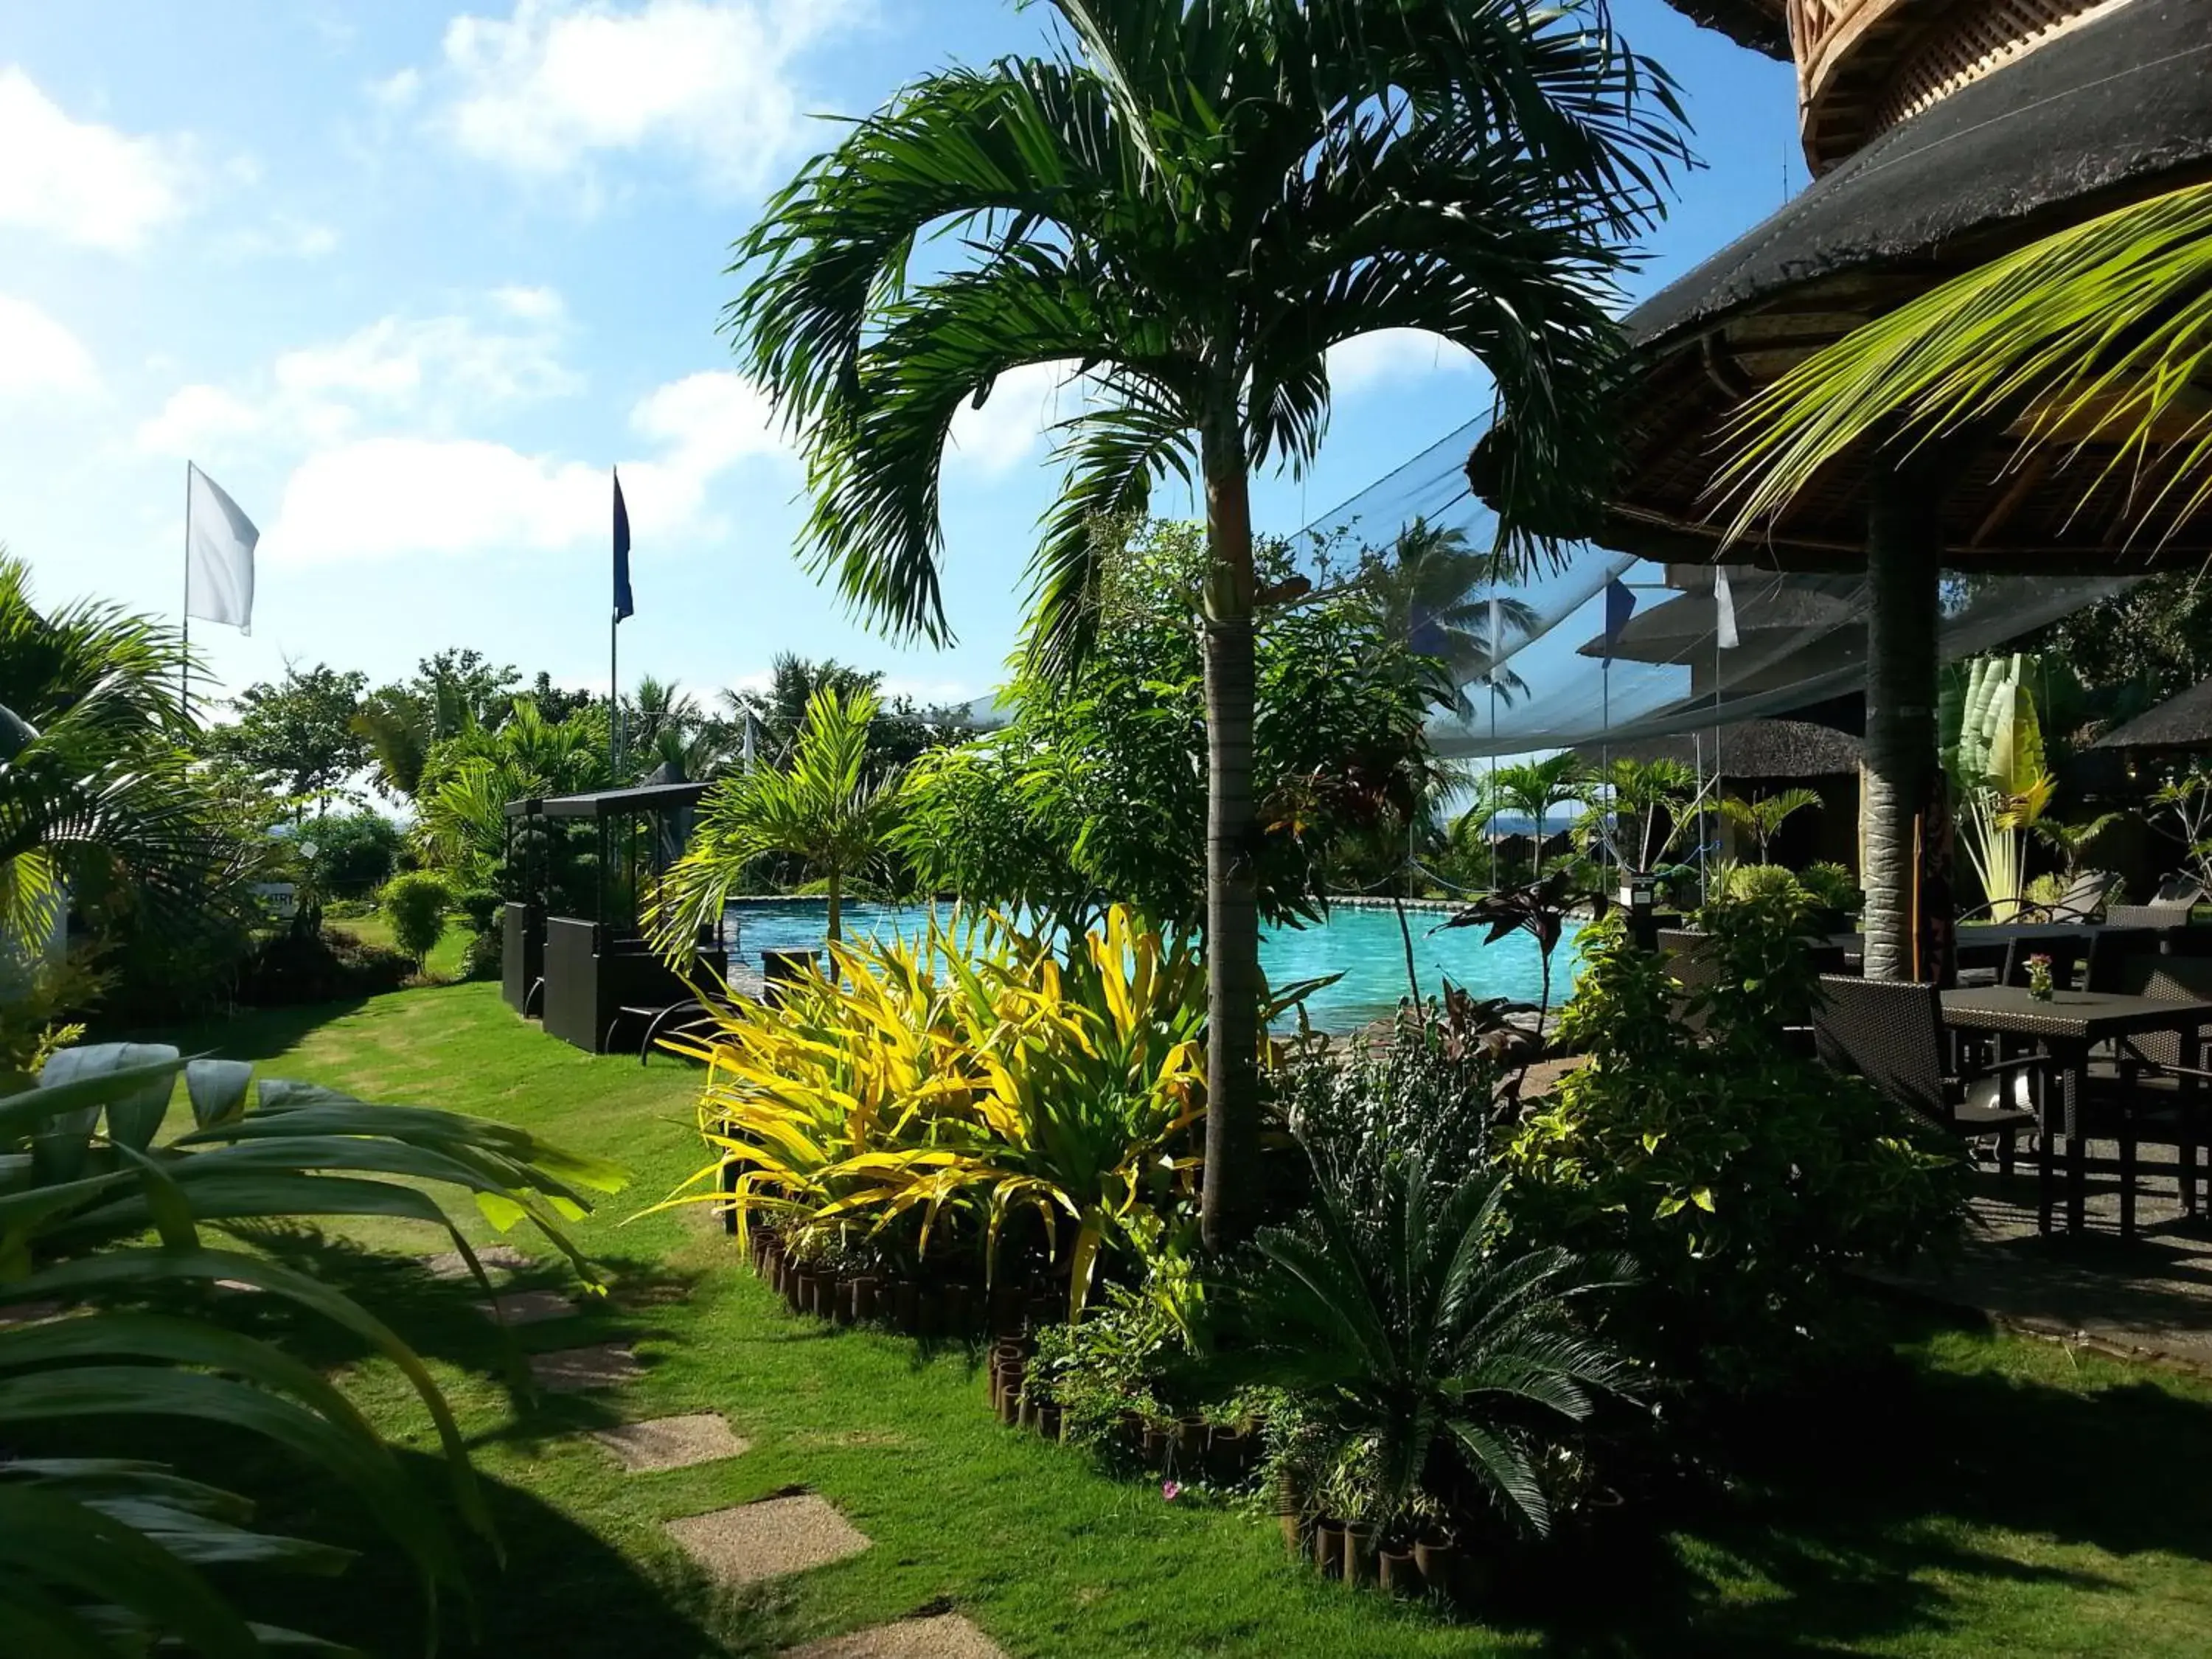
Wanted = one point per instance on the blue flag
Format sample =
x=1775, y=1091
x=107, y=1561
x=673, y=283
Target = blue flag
x=1620, y=606
x=624, y=605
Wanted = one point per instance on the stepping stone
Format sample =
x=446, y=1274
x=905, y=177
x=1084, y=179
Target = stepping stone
x=671, y=1442
x=571, y=1370
x=453, y=1265
x=527, y=1308
x=944, y=1636
x=29, y=1313
x=752, y=1541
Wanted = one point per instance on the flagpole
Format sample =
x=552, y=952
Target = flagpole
x=185, y=667
x=614, y=699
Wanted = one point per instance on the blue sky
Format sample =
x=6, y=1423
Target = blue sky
x=406, y=278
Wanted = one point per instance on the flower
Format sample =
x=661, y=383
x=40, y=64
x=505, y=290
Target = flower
x=1170, y=1490
x=2039, y=960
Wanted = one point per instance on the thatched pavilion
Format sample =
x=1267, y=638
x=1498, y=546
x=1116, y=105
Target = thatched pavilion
x=1940, y=136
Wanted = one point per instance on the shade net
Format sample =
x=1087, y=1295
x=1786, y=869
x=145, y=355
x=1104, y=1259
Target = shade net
x=1597, y=644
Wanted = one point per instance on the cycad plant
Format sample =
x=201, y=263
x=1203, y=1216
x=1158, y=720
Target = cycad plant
x=828, y=807
x=1181, y=210
x=108, y=1558
x=1440, y=1353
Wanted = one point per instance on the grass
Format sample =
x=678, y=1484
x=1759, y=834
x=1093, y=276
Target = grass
x=445, y=956
x=1989, y=1497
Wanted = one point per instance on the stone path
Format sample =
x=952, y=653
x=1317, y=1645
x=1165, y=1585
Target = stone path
x=2149, y=1299
x=571, y=1370
x=743, y=1543
x=944, y=1636
x=671, y=1442
x=495, y=1258
x=528, y=1307
x=748, y=1542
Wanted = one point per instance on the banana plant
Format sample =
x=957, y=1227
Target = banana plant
x=102, y=1557
x=1994, y=753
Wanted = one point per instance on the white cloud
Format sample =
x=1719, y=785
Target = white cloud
x=397, y=91
x=39, y=355
x=545, y=89
x=531, y=305
x=388, y=496
x=79, y=180
x=1392, y=357
x=198, y=420
x=442, y=374
x=1010, y=427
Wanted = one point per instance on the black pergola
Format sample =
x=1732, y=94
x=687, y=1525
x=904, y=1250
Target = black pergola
x=598, y=968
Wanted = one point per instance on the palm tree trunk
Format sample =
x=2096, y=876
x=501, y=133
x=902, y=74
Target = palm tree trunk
x=1412, y=977
x=1232, y=897
x=1903, y=555
x=836, y=905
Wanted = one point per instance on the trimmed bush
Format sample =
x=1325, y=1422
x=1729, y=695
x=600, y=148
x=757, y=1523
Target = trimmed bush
x=415, y=905
x=330, y=966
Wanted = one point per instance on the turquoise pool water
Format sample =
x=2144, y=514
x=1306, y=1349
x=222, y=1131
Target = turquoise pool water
x=1363, y=944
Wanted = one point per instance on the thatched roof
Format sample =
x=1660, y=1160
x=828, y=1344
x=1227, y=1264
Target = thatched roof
x=1758, y=24
x=1748, y=749
x=2104, y=114
x=2182, y=722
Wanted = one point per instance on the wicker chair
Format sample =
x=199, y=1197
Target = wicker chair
x=1891, y=1033
x=2082, y=900
x=2144, y=1093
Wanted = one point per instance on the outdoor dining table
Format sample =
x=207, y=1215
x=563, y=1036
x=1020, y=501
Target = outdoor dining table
x=2066, y=1028
x=1997, y=934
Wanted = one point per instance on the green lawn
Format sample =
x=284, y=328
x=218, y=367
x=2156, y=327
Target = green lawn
x=1992, y=1497
x=445, y=956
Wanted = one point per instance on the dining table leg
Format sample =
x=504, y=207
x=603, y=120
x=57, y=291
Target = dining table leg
x=2074, y=1086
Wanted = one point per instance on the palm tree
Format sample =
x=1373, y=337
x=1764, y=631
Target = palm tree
x=826, y=807
x=468, y=779
x=1191, y=202
x=95, y=781
x=1762, y=819
x=2072, y=842
x=1536, y=789
x=1427, y=585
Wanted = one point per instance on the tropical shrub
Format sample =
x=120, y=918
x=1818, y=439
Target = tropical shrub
x=109, y=1556
x=1831, y=888
x=415, y=905
x=971, y=1080
x=828, y=805
x=288, y=968
x=1743, y=1178
x=1437, y=1360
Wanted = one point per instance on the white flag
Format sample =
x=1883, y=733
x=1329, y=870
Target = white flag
x=1725, y=608
x=219, y=543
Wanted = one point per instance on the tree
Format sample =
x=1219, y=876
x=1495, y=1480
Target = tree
x=1427, y=584
x=468, y=779
x=101, y=809
x=823, y=806
x=1094, y=792
x=1192, y=204
x=298, y=732
x=1762, y=819
x=1534, y=789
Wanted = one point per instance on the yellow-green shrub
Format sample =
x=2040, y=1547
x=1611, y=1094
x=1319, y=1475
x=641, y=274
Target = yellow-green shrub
x=978, y=1072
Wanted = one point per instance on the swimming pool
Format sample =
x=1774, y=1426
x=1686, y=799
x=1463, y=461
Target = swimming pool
x=1360, y=942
